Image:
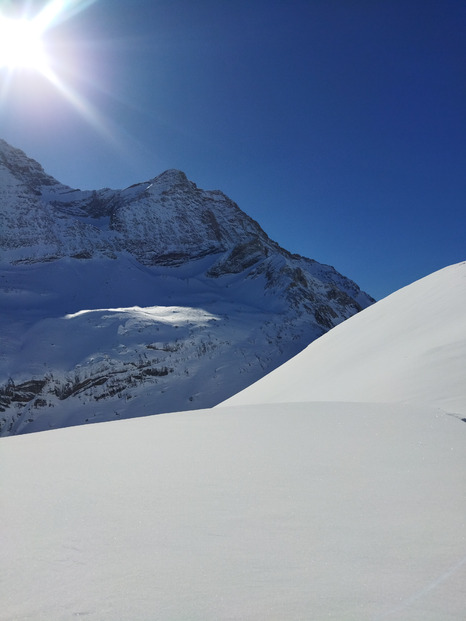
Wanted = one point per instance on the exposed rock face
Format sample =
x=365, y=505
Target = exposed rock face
x=248, y=304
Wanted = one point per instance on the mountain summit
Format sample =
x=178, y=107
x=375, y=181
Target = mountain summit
x=155, y=298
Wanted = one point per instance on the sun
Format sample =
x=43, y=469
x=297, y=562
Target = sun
x=25, y=47
x=21, y=45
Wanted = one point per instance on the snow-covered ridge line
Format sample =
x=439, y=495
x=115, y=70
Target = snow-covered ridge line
x=409, y=347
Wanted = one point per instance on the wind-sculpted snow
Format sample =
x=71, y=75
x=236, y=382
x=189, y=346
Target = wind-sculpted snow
x=158, y=244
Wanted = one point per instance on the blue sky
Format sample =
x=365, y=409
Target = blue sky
x=339, y=126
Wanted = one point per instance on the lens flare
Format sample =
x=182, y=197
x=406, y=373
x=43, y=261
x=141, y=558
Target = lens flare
x=23, y=46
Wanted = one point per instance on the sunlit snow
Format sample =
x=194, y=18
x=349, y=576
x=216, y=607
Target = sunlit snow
x=409, y=347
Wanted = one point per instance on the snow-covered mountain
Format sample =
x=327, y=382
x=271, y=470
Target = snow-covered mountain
x=269, y=510
x=156, y=298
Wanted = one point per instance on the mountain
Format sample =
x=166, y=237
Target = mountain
x=156, y=298
x=409, y=347
x=274, y=510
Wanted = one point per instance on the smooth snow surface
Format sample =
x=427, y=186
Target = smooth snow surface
x=410, y=347
x=299, y=511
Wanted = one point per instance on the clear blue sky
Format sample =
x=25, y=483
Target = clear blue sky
x=340, y=126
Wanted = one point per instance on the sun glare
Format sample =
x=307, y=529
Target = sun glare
x=25, y=48
x=22, y=38
x=21, y=45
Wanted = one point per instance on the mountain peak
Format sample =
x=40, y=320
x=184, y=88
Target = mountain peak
x=173, y=175
x=172, y=178
x=23, y=168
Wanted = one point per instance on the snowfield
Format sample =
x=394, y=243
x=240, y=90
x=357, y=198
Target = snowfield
x=293, y=504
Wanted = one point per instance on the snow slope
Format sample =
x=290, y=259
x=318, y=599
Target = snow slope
x=293, y=510
x=409, y=347
x=281, y=511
